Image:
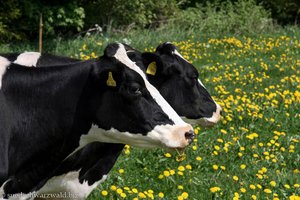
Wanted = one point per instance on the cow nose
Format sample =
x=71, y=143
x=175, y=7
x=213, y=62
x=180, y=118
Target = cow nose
x=189, y=136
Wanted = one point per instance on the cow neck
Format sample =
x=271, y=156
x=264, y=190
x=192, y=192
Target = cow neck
x=55, y=93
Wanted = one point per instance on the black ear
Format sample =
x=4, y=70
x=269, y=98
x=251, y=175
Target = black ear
x=152, y=63
x=128, y=48
x=111, y=49
x=165, y=48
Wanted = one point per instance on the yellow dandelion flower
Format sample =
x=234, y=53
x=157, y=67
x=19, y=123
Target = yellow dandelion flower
x=180, y=187
x=252, y=187
x=104, y=193
x=189, y=167
x=172, y=171
x=119, y=191
x=258, y=186
x=214, y=189
x=166, y=173
x=198, y=158
x=223, y=131
x=113, y=188
x=181, y=168
x=180, y=198
x=220, y=140
x=273, y=183
x=142, y=195
x=264, y=170
x=215, y=167
x=185, y=195
x=294, y=197
x=268, y=191
x=161, y=195
x=123, y=195
x=180, y=173
x=236, y=178
x=134, y=190
x=242, y=166
x=168, y=155
x=217, y=147
x=259, y=176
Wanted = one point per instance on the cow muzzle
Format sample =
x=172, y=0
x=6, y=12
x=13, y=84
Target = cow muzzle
x=209, y=122
x=175, y=136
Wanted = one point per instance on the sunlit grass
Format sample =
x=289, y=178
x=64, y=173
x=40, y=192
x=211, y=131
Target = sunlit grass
x=253, y=153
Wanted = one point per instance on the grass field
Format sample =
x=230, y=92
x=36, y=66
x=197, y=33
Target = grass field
x=253, y=153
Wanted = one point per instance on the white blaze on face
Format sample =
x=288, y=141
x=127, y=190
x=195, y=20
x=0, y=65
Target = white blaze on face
x=123, y=58
x=28, y=59
x=4, y=63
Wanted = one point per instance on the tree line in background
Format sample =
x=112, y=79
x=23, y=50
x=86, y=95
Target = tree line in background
x=19, y=19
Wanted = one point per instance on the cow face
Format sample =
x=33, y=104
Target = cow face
x=177, y=80
x=130, y=108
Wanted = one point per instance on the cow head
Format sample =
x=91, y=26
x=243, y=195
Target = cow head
x=129, y=109
x=178, y=82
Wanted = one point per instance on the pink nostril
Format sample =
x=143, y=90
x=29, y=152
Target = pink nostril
x=189, y=136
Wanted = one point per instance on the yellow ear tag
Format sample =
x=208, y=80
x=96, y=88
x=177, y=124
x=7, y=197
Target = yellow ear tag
x=110, y=80
x=151, y=69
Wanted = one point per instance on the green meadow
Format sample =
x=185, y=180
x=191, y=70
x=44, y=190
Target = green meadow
x=253, y=153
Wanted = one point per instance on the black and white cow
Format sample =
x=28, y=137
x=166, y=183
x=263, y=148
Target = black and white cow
x=172, y=76
x=178, y=82
x=176, y=79
x=45, y=143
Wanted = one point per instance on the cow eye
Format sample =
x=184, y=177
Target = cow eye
x=135, y=90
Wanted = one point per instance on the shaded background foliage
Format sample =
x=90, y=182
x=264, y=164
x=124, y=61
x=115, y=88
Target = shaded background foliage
x=19, y=19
